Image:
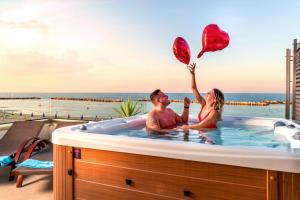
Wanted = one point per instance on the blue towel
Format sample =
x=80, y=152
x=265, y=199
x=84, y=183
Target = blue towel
x=31, y=163
x=5, y=160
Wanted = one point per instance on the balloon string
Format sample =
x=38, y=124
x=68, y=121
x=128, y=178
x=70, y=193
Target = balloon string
x=200, y=54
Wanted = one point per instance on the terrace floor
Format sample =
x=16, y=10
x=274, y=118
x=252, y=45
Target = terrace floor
x=37, y=187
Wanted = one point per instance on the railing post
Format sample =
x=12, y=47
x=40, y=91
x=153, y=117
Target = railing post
x=287, y=96
x=50, y=107
x=294, y=79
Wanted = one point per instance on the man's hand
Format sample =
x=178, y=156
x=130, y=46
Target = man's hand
x=187, y=101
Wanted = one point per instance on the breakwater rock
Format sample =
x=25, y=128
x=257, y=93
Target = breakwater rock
x=86, y=99
x=238, y=103
x=246, y=103
x=274, y=102
x=18, y=98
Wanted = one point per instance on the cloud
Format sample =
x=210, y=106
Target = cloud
x=40, y=64
x=32, y=24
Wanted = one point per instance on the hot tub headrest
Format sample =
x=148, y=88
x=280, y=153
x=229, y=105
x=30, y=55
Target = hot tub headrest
x=279, y=123
x=296, y=136
x=291, y=126
x=83, y=127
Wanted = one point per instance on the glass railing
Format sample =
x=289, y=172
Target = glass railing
x=28, y=109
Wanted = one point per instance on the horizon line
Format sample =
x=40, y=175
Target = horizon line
x=142, y=92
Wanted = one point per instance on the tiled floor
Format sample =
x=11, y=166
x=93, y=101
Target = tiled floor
x=34, y=187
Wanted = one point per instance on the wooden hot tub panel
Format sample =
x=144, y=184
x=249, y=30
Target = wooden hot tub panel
x=106, y=175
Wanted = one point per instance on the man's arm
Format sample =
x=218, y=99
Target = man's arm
x=184, y=118
x=186, y=109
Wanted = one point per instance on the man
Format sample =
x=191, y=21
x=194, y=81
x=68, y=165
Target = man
x=161, y=117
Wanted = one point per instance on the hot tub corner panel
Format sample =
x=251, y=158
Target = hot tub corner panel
x=63, y=173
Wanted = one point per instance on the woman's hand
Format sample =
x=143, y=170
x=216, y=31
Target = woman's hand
x=184, y=127
x=191, y=68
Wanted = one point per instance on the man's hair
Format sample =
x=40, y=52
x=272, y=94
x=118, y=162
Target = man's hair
x=154, y=94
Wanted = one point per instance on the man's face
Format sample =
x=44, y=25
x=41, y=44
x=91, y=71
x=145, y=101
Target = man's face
x=163, y=99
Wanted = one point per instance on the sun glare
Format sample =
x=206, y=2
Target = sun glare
x=22, y=37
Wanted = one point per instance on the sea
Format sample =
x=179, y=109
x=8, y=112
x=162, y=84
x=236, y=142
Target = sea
x=106, y=110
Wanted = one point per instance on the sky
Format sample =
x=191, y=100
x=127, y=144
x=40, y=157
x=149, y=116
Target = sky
x=126, y=45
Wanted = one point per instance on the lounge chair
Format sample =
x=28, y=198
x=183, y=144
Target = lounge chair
x=46, y=155
x=17, y=140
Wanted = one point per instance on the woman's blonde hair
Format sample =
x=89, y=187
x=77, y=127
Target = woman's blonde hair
x=219, y=101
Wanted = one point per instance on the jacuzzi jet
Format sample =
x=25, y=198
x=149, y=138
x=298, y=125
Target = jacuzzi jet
x=279, y=123
x=296, y=136
x=83, y=127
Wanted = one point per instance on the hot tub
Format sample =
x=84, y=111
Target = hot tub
x=245, y=158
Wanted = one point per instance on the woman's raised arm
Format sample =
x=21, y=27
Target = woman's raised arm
x=196, y=93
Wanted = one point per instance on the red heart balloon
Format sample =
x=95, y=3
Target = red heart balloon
x=181, y=50
x=213, y=39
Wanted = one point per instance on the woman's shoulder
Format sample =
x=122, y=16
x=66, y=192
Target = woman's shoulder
x=214, y=113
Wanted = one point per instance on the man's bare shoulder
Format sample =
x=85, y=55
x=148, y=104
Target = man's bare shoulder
x=152, y=114
x=170, y=109
x=152, y=122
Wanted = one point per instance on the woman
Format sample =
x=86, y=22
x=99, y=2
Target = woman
x=211, y=106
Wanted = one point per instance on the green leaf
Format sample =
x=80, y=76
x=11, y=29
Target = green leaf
x=118, y=111
x=129, y=108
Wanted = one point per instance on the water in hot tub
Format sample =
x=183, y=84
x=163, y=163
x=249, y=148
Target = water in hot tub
x=226, y=134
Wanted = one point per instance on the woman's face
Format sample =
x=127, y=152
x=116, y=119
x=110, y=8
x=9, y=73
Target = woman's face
x=210, y=97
